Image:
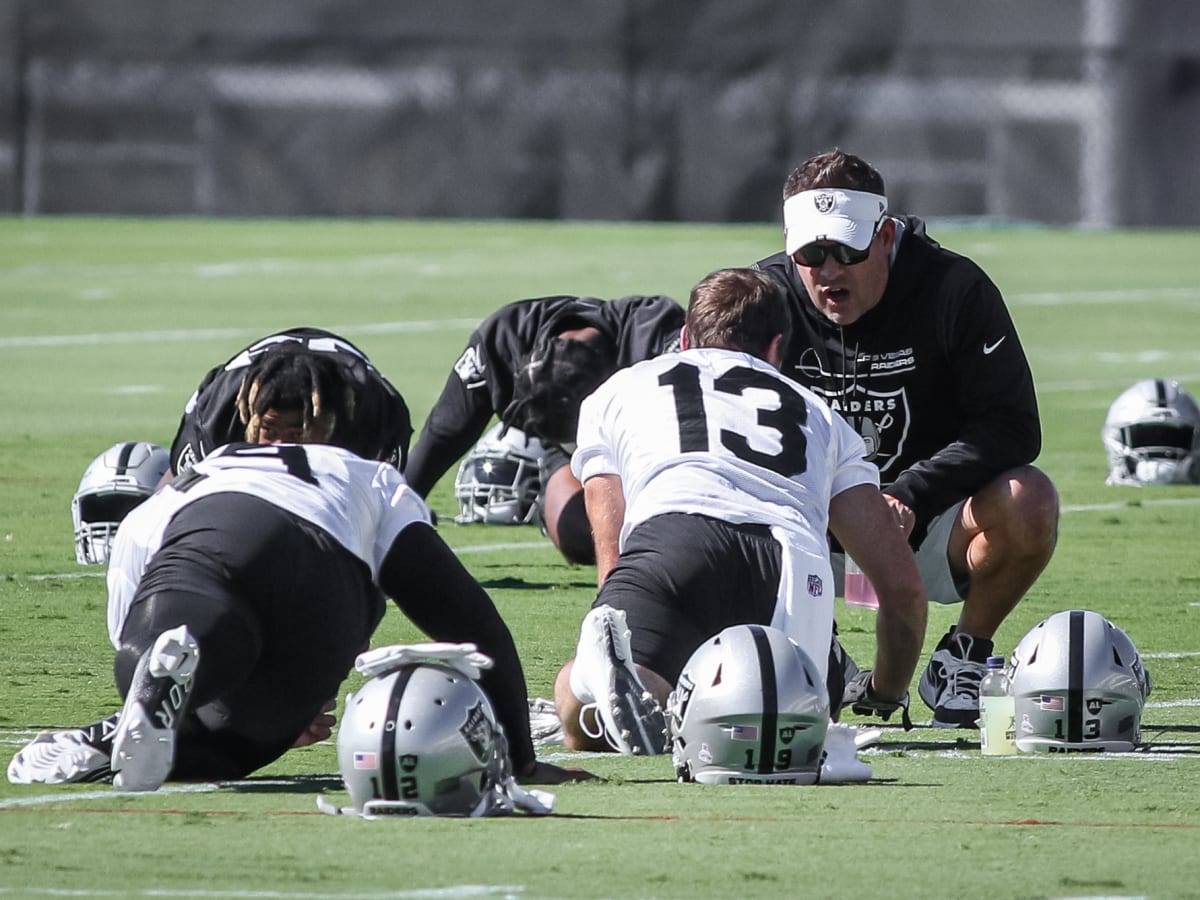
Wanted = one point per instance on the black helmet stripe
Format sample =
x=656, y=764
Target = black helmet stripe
x=1160, y=393
x=1075, y=677
x=123, y=457
x=387, y=749
x=770, y=697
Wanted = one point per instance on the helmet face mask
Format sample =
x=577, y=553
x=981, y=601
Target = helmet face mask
x=422, y=740
x=1152, y=435
x=750, y=707
x=499, y=481
x=1078, y=685
x=115, y=482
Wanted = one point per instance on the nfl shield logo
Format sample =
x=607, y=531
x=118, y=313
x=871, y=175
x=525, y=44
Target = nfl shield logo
x=823, y=202
x=815, y=586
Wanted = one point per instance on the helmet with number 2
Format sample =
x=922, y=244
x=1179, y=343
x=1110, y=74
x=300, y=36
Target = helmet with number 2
x=112, y=485
x=422, y=740
x=750, y=707
x=498, y=482
x=1152, y=435
x=1078, y=685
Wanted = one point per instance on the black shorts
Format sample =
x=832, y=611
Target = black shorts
x=280, y=610
x=682, y=578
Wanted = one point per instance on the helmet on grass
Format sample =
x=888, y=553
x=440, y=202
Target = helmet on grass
x=498, y=482
x=114, y=483
x=422, y=740
x=750, y=707
x=1152, y=435
x=1079, y=685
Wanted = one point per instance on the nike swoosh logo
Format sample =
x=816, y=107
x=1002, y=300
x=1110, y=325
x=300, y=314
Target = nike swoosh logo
x=988, y=348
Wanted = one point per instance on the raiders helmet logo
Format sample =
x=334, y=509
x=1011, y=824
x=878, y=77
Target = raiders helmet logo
x=477, y=731
x=823, y=202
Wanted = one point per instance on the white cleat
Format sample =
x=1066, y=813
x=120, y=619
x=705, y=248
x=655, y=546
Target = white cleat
x=632, y=718
x=144, y=745
x=59, y=757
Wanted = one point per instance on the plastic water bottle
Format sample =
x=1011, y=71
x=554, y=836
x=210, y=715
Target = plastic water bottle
x=997, y=711
x=859, y=590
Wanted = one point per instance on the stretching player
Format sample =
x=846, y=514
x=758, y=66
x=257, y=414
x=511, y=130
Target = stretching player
x=711, y=481
x=531, y=363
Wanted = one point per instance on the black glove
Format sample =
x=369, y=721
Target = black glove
x=860, y=696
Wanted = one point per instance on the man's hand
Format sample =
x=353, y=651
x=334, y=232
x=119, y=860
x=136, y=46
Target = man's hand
x=860, y=696
x=905, y=517
x=321, y=728
x=545, y=773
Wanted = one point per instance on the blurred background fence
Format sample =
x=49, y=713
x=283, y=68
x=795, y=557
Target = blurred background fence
x=1068, y=112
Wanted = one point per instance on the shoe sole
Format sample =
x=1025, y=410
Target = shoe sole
x=49, y=761
x=633, y=719
x=144, y=745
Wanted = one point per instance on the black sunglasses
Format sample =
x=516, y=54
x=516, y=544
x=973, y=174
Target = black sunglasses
x=816, y=254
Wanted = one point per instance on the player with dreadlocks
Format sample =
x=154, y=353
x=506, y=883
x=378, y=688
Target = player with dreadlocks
x=309, y=373
x=296, y=396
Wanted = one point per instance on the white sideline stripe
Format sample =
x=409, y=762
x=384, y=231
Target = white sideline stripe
x=1132, y=504
x=1062, y=298
x=46, y=799
x=458, y=551
x=212, y=334
x=1171, y=704
x=458, y=890
x=1185, y=654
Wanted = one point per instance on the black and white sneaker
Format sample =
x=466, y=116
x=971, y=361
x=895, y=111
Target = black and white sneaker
x=144, y=744
x=66, y=757
x=950, y=683
x=632, y=718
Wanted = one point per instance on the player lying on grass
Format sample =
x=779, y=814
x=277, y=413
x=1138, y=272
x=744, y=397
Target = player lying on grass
x=241, y=593
x=711, y=480
x=530, y=364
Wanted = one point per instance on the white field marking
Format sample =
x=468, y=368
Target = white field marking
x=1064, y=298
x=1131, y=504
x=213, y=334
x=458, y=890
x=1181, y=654
x=47, y=799
x=1172, y=704
x=267, y=266
x=459, y=551
x=1113, y=384
x=511, y=545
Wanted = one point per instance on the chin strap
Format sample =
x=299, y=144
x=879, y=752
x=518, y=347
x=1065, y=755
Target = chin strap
x=464, y=658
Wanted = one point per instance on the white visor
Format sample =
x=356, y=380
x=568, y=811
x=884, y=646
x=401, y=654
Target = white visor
x=831, y=214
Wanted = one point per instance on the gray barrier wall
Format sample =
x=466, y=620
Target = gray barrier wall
x=1074, y=111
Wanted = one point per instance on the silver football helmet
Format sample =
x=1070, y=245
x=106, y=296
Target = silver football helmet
x=113, y=484
x=1078, y=685
x=498, y=482
x=750, y=707
x=1152, y=435
x=422, y=740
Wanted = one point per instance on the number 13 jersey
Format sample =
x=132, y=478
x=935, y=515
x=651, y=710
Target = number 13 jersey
x=723, y=434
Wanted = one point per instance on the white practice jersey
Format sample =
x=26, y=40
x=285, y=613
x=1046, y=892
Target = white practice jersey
x=723, y=434
x=363, y=504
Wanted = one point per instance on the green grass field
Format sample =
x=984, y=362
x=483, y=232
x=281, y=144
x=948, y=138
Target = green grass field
x=106, y=326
